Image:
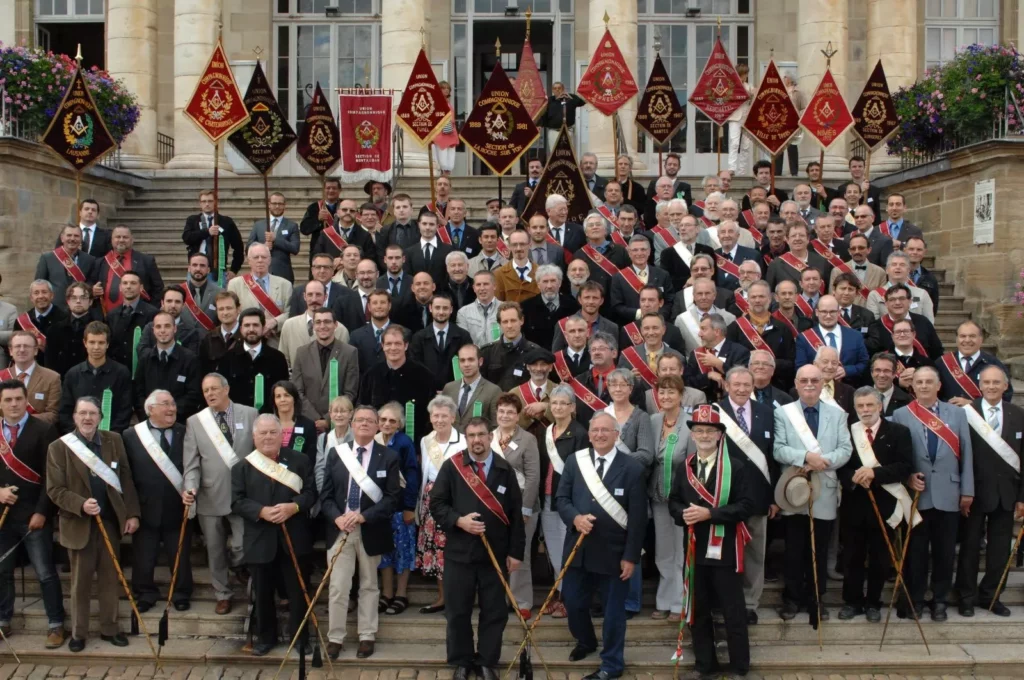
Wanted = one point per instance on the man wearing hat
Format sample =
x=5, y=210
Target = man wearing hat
x=812, y=439
x=713, y=499
x=378, y=193
x=536, y=415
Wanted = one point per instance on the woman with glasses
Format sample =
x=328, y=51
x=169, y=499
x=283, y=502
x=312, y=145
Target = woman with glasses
x=394, y=600
x=298, y=431
x=340, y=433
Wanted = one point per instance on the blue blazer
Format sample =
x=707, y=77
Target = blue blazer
x=854, y=354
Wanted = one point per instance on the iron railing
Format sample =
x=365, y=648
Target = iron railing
x=112, y=159
x=164, y=147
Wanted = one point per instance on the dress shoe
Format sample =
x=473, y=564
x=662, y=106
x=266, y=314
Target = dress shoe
x=630, y=615
x=241, y=575
x=334, y=649
x=789, y=611
x=1000, y=609
x=76, y=645
x=462, y=673
x=939, y=612
x=117, y=639
x=850, y=611
x=580, y=652
x=365, y=649
x=261, y=648
x=182, y=605
x=966, y=610
x=223, y=607
x=55, y=637
x=872, y=614
x=143, y=607
x=432, y=609
x=598, y=675
x=751, y=617
x=487, y=673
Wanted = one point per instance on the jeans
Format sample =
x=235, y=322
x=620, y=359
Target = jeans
x=636, y=587
x=39, y=546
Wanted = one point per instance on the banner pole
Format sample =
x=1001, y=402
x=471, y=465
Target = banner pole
x=773, y=176
x=615, y=140
x=266, y=200
x=499, y=191
x=661, y=165
x=214, y=241
x=719, y=148
x=430, y=170
x=78, y=191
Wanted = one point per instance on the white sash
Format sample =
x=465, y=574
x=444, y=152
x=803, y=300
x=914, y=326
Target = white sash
x=220, y=443
x=434, y=450
x=159, y=457
x=991, y=437
x=683, y=252
x=867, y=457
x=831, y=401
x=333, y=442
x=736, y=433
x=94, y=463
x=688, y=297
x=556, y=461
x=712, y=233
x=496, y=447
x=794, y=413
x=358, y=474
x=692, y=325
x=275, y=471
x=599, y=490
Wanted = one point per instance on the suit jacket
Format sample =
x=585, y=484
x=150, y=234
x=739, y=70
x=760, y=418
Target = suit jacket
x=486, y=393
x=241, y=370
x=519, y=198
x=897, y=400
x=64, y=346
x=724, y=279
x=625, y=301
x=950, y=388
x=470, y=242
x=603, y=324
x=927, y=282
x=286, y=244
x=779, y=270
x=907, y=230
x=43, y=324
x=853, y=354
x=159, y=501
x=690, y=340
x=195, y=236
x=99, y=246
x=212, y=348
x=205, y=303
x=187, y=334
x=204, y=469
x=148, y=270
x=416, y=263
x=733, y=353
x=182, y=376
x=881, y=246
x=880, y=339
x=997, y=485
x=478, y=262
x=280, y=293
x=524, y=457
x=251, y=491
x=920, y=302
x=122, y=329
x=950, y=476
x=573, y=236
x=599, y=183
x=508, y=286
x=365, y=341
x=541, y=322
x=780, y=341
x=43, y=393
x=860, y=319
x=382, y=469
x=836, y=448
x=615, y=254
x=553, y=254
x=311, y=226
x=32, y=448
x=395, y=234
x=314, y=384
x=677, y=270
x=67, y=484
x=504, y=366
x=50, y=269
x=762, y=433
x=894, y=451
x=608, y=544
x=423, y=348
x=357, y=236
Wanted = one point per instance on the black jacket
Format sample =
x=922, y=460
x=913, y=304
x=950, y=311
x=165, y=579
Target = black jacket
x=401, y=235
x=625, y=301
x=303, y=437
x=880, y=339
x=929, y=283
x=194, y=235
x=519, y=198
x=212, y=349
x=122, y=329
x=470, y=242
x=573, y=236
x=159, y=500
x=860, y=319
x=423, y=348
x=724, y=279
x=81, y=382
x=382, y=469
x=438, y=270
x=357, y=237
x=311, y=226
x=380, y=384
x=677, y=270
x=54, y=316
x=101, y=243
x=895, y=453
x=579, y=366
x=733, y=353
x=505, y=366
x=462, y=294
x=573, y=439
x=552, y=116
x=241, y=370
x=898, y=400
x=182, y=376
x=950, y=388
x=539, y=321
x=147, y=269
x=996, y=484
x=762, y=433
x=364, y=339
x=31, y=449
x=189, y=335
x=64, y=341
x=782, y=344
x=615, y=254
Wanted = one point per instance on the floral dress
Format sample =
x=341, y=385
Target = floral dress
x=403, y=558
x=431, y=540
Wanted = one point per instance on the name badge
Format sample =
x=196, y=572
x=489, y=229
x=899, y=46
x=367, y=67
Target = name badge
x=513, y=446
x=382, y=474
x=1019, y=435
x=299, y=430
x=501, y=489
x=40, y=395
x=768, y=327
x=284, y=465
x=113, y=466
x=469, y=251
x=619, y=492
x=239, y=426
x=181, y=378
x=864, y=330
x=914, y=306
x=518, y=372
x=767, y=434
x=284, y=233
x=212, y=306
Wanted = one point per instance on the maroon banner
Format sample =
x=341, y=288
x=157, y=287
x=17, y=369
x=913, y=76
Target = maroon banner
x=528, y=83
x=607, y=84
x=772, y=120
x=499, y=129
x=719, y=90
x=660, y=114
x=423, y=110
x=266, y=136
x=826, y=117
x=561, y=176
x=364, y=122
x=77, y=132
x=874, y=114
x=318, y=139
x=217, y=106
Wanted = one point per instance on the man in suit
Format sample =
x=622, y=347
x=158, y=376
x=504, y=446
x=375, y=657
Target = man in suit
x=465, y=509
x=187, y=333
x=680, y=258
x=344, y=232
x=313, y=363
x=282, y=236
x=880, y=463
x=880, y=244
x=274, y=486
x=503, y=359
x=298, y=330
x=155, y=450
x=358, y=498
x=225, y=336
x=848, y=342
x=516, y=280
x=569, y=235
x=124, y=258
x=707, y=365
x=202, y=228
x=429, y=253
x=680, y=189
x=397, y=378
x=916, y=248
x=41, y=317
x=394, y=279
x=490, y=256
x=615, y=527
x=958, y=389
x=897, y=307
x=96, y=241
x=846, y=289
x=827, y=244
x=91, y=464
x=883, y=379
x=464, y=238
x=262, y=290
x=944, y=475
x=170, y=367
x=436, y=345
x=659, y=192
x=42, y=385
x=790, y=266
x=900, y=230
x=367, y=339
x=762, y=365
x=543, y=312
x=628, y=283
x=320, y=214
x=347, y=306
x=995, y=425
x=26, y=441
x=522, y=191
x=603, y=257
x=574, y=344
x=833, y=391
x=459, y=286
x=756, y=329
x=216, y=438
x=403, y=232
x=732, y=255
x=897, y=271
x=67, y=264
x=253, y=366
x=809, y=434
x=472, y=389
x=588, y=168
x=96, y=377
x=132, y=314
x=802, y=194
x=763, y=180
x=65, y=347
x=872, y=194
x=200, y=293
x=688, y=320
x=540, y=250
x=414, y=314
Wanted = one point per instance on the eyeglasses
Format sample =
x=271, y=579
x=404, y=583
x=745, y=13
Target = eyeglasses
x=901, y=298
x=602, y=430
x=808, y=381
x=346, y=210
x=323, y=266
x=903, y=331
x=827, y=311
x=366, y=419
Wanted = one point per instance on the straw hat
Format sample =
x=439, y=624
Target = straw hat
x=795, y=490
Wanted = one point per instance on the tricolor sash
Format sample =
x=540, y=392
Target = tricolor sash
x=867, y=458
x=888, y=322
x=25, y=321
x=357, y=474
x=723, y=486
x=220, y=443
x=8, y=374
x=933, y=423
x=804, y=306
x=598, y=490
x=600, y=260
x=640, y=366
x=633, y=333
x=793, y=261
x=781, y=318
x=336, y=238
x=261, y=296
x=991, y=437
x=794, y=413
x=275, y=470
x=750, y=333
x=200, y=316
x=92, y=461
x=743, y=440
x=727, y=265
x=549, y=439
x=69, y=263
x=551, y=239
x=948, y=359
x=741, y=302
x=632, y=278
x=15, y=465
x=160, y=458
x=115, y=266
x=480, y=489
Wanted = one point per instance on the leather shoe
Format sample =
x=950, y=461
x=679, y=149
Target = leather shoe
x=789, y=611
x=966, y=610
x=223, y=607
x=580, y=652
x=261, y=648
x=751, y=617
x=487, y=673
x=143, y=606
x=365, y=649
x=939, y=612
x=333, y=650
x=872, y=614
x=461, y=673
x=597, y=675
x=183, y=605
x=76, y=645
x=1000, y=609
x=850, y=611
x=432, y=609
x=55, y=637
x=117, y=639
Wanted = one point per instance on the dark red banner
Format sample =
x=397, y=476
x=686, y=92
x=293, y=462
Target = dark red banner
x=77, y=132
x=267, y=136
x=874, y=114
x=826, y=117
x=529, y=85
x=561, y=176
x=499, y=129
x=772, y=120
x=217, y=106
x=607, y=84
x=719, y=90
x=423, y=109
x=659, y=113
x=365, y=124
x=318, y=141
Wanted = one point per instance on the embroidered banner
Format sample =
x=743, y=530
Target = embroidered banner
x=826, y=117
x=772, y=120
x=719, y=90
x=659, y=113
x=423, y=109
x=318, y=141
x=216, y=106
x=77, y=132
x=365, y=124
x=607, y=84
x=874, y=115
x=266, y=137
x=529, y=85
x=499, y=129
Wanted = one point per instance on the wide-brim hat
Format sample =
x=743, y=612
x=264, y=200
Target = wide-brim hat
x=705, y=415
x=368, y=187
x=796, y=490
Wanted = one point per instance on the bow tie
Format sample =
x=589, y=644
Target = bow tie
x=861, y=267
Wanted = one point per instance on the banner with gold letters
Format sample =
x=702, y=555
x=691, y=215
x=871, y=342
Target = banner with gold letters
x=561, y=176
x=772, y=120
x=826, y=117
x=499, y=129
x=874, y=115
x=719, y=90
x=217, y=106
x=318, y=137
x=529, y=85
x=660, y=114
x=77, y=132
x=607, y=84
x=267, y=136
x=365, y=124
x=423, y=109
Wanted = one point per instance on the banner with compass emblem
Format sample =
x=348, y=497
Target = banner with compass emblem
x=528, y=83
x=365, y=124
x=660, y=114
x=499, y=129
x=561, y=176
x=719, y=90
x=772, y=120
x=318, y=144
x=874, y=115
x=77, y=132
x=217, y=106
x=423, y=109
x=607, y=84
x=826, y=117
x=267, y=136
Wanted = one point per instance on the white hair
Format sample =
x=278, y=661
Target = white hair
x=677, y=203
x=717, y=195
x=441, y=401
x=554, y=200
x=549, y=270
x=153, y=396
x=41, y=282
x=602, y=414
x=823, y=349
x=266, y=417
x=456, y=255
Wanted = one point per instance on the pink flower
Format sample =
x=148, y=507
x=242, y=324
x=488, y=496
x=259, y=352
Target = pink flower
x=941, y=95
x=979, y=77
x=974, y=90
x=981, y=96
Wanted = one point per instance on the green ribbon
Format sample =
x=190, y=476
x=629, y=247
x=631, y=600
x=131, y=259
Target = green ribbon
x=478, y=409
x=723, y=496
x=221, y=259
x=136, y=337
x=333, y=379
x=299, y=442
x=670, y=448
x=108, y=406
x=410, y=417
x=455, y=368
x=257, y=396
x=495, y=332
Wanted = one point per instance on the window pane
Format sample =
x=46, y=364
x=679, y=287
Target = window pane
x=986, y=36
x=540, y=6
x=743, y=45
x=933, y=45
x=460, y=68
x=722, y=6
x=482, y=6
x=641, y=7
x=987, y=9
x=96, y=7
x=305, y=6
x=60, y=7
x=282, y=6
x=970, y=37
x=568, y=73
x=933, y=9
x=459, y=7
x=949, y=8
x=948, y=43
x=743, y=7
x=565, y=6
x=45, y=7
x=970, y=9
x=662, y=6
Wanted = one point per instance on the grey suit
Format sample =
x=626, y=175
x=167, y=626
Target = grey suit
x=553, y=254
x=669, y=539
x=314, y=384
x=50, y=269
x=286, y=244
x=205, y=302
x=486, y=393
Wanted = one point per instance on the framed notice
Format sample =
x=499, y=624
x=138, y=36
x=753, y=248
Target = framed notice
x=984, y=211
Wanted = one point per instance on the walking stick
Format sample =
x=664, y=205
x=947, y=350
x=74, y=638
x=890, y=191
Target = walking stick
x=547, y=601
x=3, y=518
x=317, y=662
x=899, y=571
x=127, y=590
x=512, y=599
x=1002, y=579
x=162, y=630
x=892, y=557
x=814, y=566
x=309, y=608
x=7, y=509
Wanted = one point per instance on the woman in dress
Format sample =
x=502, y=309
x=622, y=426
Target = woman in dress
x=298, y=431
x=340, y=433
x=563, y=438
x=669, y=539
x=392, y=435
x=448, y=139
x=438, y=446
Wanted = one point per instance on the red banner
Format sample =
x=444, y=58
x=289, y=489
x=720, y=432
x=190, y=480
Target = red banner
x=217, y=106
x=772, y=120
x=719, y=90
x=607, y=84
x=318, y=142
x=528, y=83
x=826, y=117
x=874, y=114
x=364, y=122
x=499, y=129
x=659, y=113
x=423, y=110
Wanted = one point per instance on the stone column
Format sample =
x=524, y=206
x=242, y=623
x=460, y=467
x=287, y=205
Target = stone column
x=892, y=37
x=622, y=23
x=195, y=35
x=8, y=23
x=132, y=57
x=821, y=22
x=401, y=21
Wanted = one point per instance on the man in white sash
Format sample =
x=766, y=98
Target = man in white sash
x=996, y=440
x=688, y=322
x=88, y=476
x=359, y=496
x=602, y=494
x=154, y=449
x=882, y=459
x=812, y=435
x=216, y=438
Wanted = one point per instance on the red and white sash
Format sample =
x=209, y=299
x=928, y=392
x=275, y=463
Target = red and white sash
x=562, y=367
x=617, y=238
x=25, y=321
x=329, y=222
x=193, y=306
x=750, y=333
x=933, y=423
x=8, y=374
x=793, y=261
x=640, y=366
x=815, y=340
x=741, y=302
x=15, y=465
x=838, y=263
x=261, y=296
x=334, y=237
x=69, y=264
x=884, y=228
x=888, y=322
x=727, y=265
x=479, y=488
x=527, y=395
x=698, y=204
x=600, y=260
x=633, y=279
x=748, y=217
x=781, y=318
x=965, y=381
x=606, y=213
x=503, y=249
x=551, y=239
x=698, y=353
x=804, y=306
x=119, y=271
x=582, y=393
x=634, y=334
x=442, y=222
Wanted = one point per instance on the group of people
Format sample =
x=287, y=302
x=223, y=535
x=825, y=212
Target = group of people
x=693, y=378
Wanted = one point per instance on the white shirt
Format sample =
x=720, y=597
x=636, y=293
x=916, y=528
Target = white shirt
x=516, y=266
x=609, y=458
x=366, y=466
x=887, y=395
x=838, y=334
x=718, y=347
x=575, y=354
x=249, y=348
x=444, y=329
x=542, y=387
x=968, y=360
x=987, y=414
x=432, y=242
x=233, y=331
x=561, y=232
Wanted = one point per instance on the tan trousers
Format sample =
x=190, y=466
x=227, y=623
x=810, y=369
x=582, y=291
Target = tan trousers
x=341, y=584
x=521, y=580
x=94, y=559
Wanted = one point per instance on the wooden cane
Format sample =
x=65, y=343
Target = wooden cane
x=309, y=607
x=892, y=558
x=515, y=605
x=305, y=594
x=814, y=566
x=174, y=579
x=899, y=570
x=547, y=601
x=1002, y=579
x=127, y=590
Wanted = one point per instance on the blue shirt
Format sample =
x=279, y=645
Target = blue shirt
x=487, y=463
x=456, y=230
x=18, y=427
x=811, y=415
x=264, y=282
x=895, y=227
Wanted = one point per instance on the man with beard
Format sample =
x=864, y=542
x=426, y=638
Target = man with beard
x=541, y=250
x=544, y=311
x=200, y=293
x=750, y=272
x=367, y=339
x=577, y=273
x=66, y=348
x=320, y=214
x=281, y=236
x=43, y=316
x=435, y=345
x=591, y=299
x=204, y=229
x=313, y=366
x=629, y=281
x=132, y=314
x=186, y=333
x=253, y=367
x=504, y=359
x=116, y=262
x=345, y=232
x=400, y=379
x=67, y=264
x=472, y=389
x=680, y=189
x=757, y=330
x=169, y=367
x=262, y=290
x=394, y=279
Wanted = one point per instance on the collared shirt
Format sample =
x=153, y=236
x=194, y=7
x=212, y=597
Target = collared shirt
x=746, y=411
x=542, y=387
x=167, y=351
x=432, y=242
x=813, y=300
x=28, y=372
x=17, y=427
x=895, y=227
x=396, y=280
x=609, y=458
x=233, y=332
x=456, y=230
x=43, y=314
x=968, y=360
x=915, y=274
x=366, y=466
x=168, y=432
x=887, y=396
x=836, y=333
x=718, y=348
x=249, y=348
x=88, y=234
x=574, y=354
x=709, y=466
x=443, y=329
x=987, y=413
x=487, y=463
x=472, y=388
x=601, y=247
x=131, y=306
x=874, y=428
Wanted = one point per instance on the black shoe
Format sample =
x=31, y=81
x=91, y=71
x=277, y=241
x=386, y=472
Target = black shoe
x=850, y=611
x=76, y=645
x=261, y=648
x=630, y=615
x=789, y=611
x=144, y=606
x=939, y=612
x=432, y=609
x=596, y=675
x=487, y=673
x=1000, y=609
x=966, y=610
x=872, y=614
x=751, y=617
x=462, y=673
x=580, y=652
x=183, y=605
x=117, y=639
x=597, y=612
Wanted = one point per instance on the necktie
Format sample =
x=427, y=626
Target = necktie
x=353, y=489
x=222, y=421
x=379, y=332
x=252, y=353
x=968, y=364
x=273, y=224
x=894, y=229
x=933, y=441
x=832, y=339
x=480, y=471
x=871, y=436
x=424, y=318
x=522, y=273
x=163, y=357
x=366, y=306
x=652, y=362
x=490, y=263
x=557, y=233
x=164, y=444
x=440, y=341
x=464, y=400
x=309, y=327
x=427, y=251
x=643, y=276
x=394, y=286
x=456, y=237
x=600, y=467
x=537, y=390
x=846, y=315
x=538, y=256
x=702, y=471
x=227, y=338
x=552, y=306
x=13, y=439
x=811, y=416
x=741, y=419
x=23, y=378
x=993, y=417
x=86, y=239
x=126, y=310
